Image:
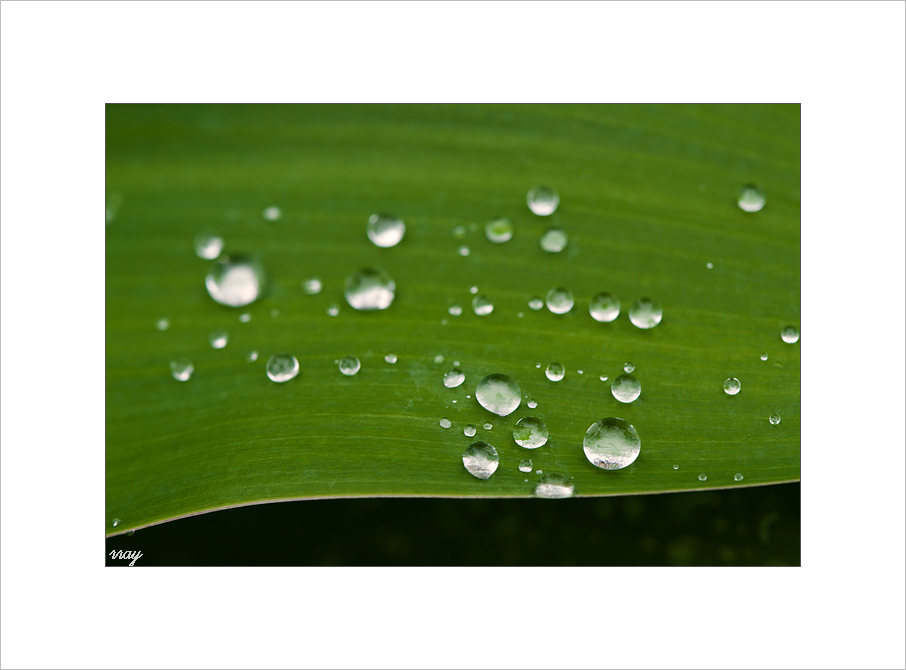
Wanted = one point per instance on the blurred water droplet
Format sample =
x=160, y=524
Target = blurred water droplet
x=463, y=250
x=445, y=423
x=612, y=444
x=482, y=305
x=274, y=313
x=235, y=281
x=181, y=369
x=499, y=230
x=369, y=289
x=245, y=317
x=579, y=372
x=453, y=378
x=703, y=477
x=519, y=315
x=628, y=367
x=542, y=200
x=439, y=359
x=163, y=324
x=560, y=300
x=469, y=431
x=751, y=198
x=480, y=459
x=282, y=367
x=499, y=394
x=459, y=232
x=252, y=356
x=473, y=290
x=390, y=358
x=116, y=522
x=455, y=310
x=645, y=313
x=349, y=365
x=130, y=532
x=554, y=240
x=271, y=214
x=554, y=485
x=525, y=465
x=385, y=230
x=774, y=419
x=208, y=244
x=218, y=338
x=732, y=386
x=764, y=356
x=790, y=334
x=738, y=477
x=312, y=286
x=555, y=371
x=535, y=303
x=626, y=388
x=604, y=307
x=333, y=309
x=530, y=432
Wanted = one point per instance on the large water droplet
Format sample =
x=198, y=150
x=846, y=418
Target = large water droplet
x=530, y=432
x=535, y=303
x=542, y=200
x=612, y=444
x=732, y=386
x=271, y=214
x=218, y=338
x=555, y=371
x=385, y=230
x=312, y=285
x=499, y=394
x=626, y=388
x=554, y=240
x=790, y=334
x=751, y=198
x=208, y=244
x=604, y=307
x=560, y=300
x=445, y=423
x=163, y=324
x=349, y=365
x=499, y=230
x=525, y=465
x=453, y=378
x=390, y=358
x=482, y=305
x=370, y=289
x=282, y=367
x=774, y=419
x=480, y=459
x=181, y=369
x=738, y=477
x=554, y=485
x=469, y=430
x=235, y=281
x=645, y=313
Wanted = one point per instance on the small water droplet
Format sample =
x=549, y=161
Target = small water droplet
x=790, y=334
x=274, y=313
x=390, y=358
x=703, y=477
x=443, y=322
x=604, y=307
x=271, y=213
x=218, y=338
x=488, y=426
x=385, y=230
x=531, y=404
x=645, y=313
x=560, y=300
x=445, y=423
x=709, y=266
x=453, y=378
x=369, y=289
x=738, y=477
x=612, y=444
x=463, y=250
x=519, y=315
x=282, y=367
x=252, y=356
x=349, y=365
x=579, y=372
x=480, y=459
x=555, y=371
x=676, y=467
x=764, y=356
x=537, y=366
x=459, y=232
x=628, y=367
x=732, y=386
x=626, y=388
x=473, y=290
x=530, y=432
x=455, y=310
x=499, y=230
x=554, y=485
x=163, y=324
x=439, y=359
x=208, y=244
x=539, y=472
x=542, y=200
x=525, y=465
x=751, y=198
x=774, y=419
x=333, y=309
x=554, y=240
x=455, y=401
x=116, y=522
x=482, y=305
x=499, y=394
x=182, y=369
x=245, y=318
x=235, y=281
x=535, y=303
x=469, y=431
x=130, y=532
x=312, y=286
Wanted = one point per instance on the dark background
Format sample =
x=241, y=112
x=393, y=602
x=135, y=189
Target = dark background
x=744, y=526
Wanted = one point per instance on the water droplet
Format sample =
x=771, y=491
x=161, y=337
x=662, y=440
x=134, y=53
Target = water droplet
x=790, y=334
x=390, y=358
x=130, y=532
x=626, y=388
x=181, y=369
x=218, y=338
x=774, y=419
x=645, y=313
x=445, y=423
x=208, y=244
x=480, y=459
x=463, y=250
x=732, y=386
x=469, y=431
x=312, y=286
x=519, y=315
x=738, y=477
x=252, y=357
x=333, y=309
x=751, y=198
x=499, y=230
x=531, y=404
x=764, y=356
x=459, y=232
x=245, y=318
x=482, y=305
x=488, y=425
x=612, y=444
x=703, y=477
x=537, y=366
x=455, y=310
x=535, y=303
x=676, y=467
x=439, y=359
x=385, y=230
x=349, y=365
x=271, y=213
x=709, y=266
x=499, y=394
x=530, y=432
x=370, y=289
x=525, y=465
x=274, y=313
x=555, y=371
x=163, y=324
x=603, y=378
x=559, y=300
x=473, y=290
x=554, y=485
x=579, y=372
x=604, y=307
x=235, y=281
x=454, y=401
x=443, y=322
x=116, y=522
x=554, y=241
x=453, y=378
x=542, y=200
x=628, y=367
x=114, y=201
x=538, y=472
x=282, y=367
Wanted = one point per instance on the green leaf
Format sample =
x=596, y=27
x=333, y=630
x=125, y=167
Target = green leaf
x=648, y=198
